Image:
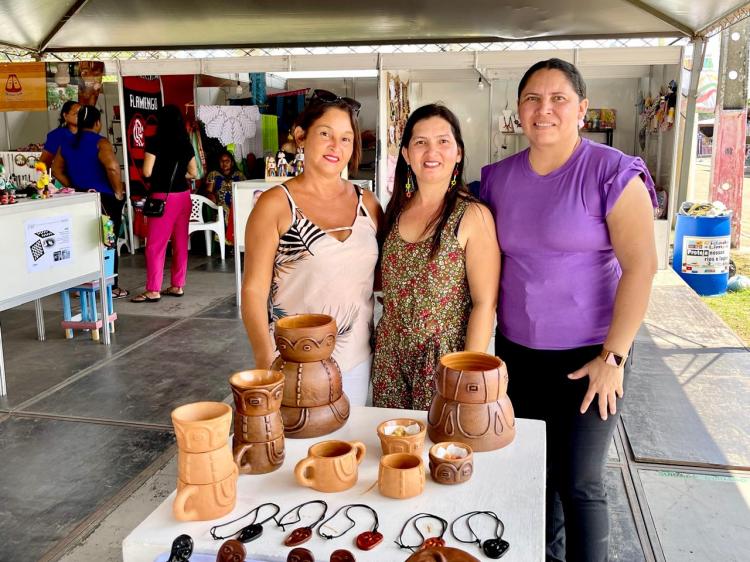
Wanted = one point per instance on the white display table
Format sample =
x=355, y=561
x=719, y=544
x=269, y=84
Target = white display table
x=510, y=482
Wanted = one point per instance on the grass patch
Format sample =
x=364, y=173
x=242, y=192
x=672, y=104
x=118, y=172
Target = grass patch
x=734, y=308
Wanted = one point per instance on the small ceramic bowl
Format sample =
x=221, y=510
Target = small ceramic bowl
x=402, y=435
x=451, y=462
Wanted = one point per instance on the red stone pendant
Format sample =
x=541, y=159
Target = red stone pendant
x=369, y=540
x=342, y=555
x=298, y=536
x=433, y=542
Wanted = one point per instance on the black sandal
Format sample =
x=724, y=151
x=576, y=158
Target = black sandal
x=143, y=297
x=172, y=292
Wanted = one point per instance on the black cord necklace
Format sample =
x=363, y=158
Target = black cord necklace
x=366, y=540
x=492, y=548
x=249, y=532
x=424, y=543
x=300, y=534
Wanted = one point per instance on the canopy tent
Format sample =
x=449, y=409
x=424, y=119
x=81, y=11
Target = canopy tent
x=42, y=26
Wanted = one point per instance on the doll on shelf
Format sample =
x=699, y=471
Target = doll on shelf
x=282, y=165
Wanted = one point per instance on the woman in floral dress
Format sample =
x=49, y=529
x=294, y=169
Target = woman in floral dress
x=440, y=264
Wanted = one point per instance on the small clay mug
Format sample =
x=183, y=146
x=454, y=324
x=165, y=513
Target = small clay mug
x=205, y=468
x=406, y=443
x=203, y=502
x=451, y=470
x=202, y=426
x=330, y=466
x=257, y=392
x=304, y=338
x=401, y=475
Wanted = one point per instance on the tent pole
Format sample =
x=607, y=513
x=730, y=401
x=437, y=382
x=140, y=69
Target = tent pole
x=7, y=130
x=124, y=132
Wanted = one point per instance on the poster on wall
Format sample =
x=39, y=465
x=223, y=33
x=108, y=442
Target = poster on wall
x=398, y=113
x=22, y=86
x=143, y=98
x=48, y=243
x=77, y=81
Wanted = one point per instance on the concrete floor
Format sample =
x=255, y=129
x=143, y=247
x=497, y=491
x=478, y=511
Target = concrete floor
x=88, y=449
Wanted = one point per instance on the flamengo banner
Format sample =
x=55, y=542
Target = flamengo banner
x=23, y=86
x=142, y=100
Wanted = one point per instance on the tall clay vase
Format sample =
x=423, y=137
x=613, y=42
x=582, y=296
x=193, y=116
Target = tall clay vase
x=258, y=442
x=471, y=404
x=313, y=402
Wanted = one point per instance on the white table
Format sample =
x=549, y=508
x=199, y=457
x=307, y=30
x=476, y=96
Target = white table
x=510, y=481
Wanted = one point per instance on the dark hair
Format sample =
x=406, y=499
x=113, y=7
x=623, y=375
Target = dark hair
x=88, y=115
x=220, y=155
x=171, y=134
x=67, y=106
x=315, y=109
x=568, y=69
x=399, y=200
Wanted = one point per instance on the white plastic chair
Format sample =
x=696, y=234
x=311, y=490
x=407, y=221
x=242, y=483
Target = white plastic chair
x=197, y=223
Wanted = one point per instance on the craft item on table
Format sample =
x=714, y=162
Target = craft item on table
x=330, y=466
x=299, y=161
x=366, y=540
x=493, y=548
x=271, y=171
x=43, y=182
x=451, y=463
x=231, y=551
x=341, y=555
x=182, y=549
x=249, y=532
x=231, y=124
x=441, y=554
x=402, y=436
x=281, y=164
x=300, y=554
x=300, y=535
x=401, y=475
x=429, y=542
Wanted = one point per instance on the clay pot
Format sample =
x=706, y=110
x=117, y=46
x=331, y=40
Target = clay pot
x=304, y=338
x=310, y=384
x=258, y=458
x=441, y=554
x=402, y=444
x=202, y=426
x=451, y=471
x=257, y=392
x=484, y=427
x=258, y=429
x=401, y=475
x=301, y=423
x=330, y=466
x=202, y=502
x=472, y=377
x=205, y=468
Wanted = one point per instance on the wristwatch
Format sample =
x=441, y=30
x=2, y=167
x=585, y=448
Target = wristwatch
x=612, y=358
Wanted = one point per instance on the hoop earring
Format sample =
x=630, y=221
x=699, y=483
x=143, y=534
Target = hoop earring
x=410, y=188
x=453, y=179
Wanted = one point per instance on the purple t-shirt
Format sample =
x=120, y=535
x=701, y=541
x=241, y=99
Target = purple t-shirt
x=559, y=271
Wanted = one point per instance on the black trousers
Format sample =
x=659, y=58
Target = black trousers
x=113, y=207
x=577, y=445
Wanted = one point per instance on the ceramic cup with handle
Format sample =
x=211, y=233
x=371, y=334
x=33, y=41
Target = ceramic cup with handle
x=330, y=466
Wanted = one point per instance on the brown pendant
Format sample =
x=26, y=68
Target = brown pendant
x=298, y=536
x=433, y=542
x=342, y=555
x=369, y=540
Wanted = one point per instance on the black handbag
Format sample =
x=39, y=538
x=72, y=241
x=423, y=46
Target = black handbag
x=155, y=207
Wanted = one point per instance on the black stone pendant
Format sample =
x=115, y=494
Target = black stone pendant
x=495, y=548
x=182, y=549
x=250, y=533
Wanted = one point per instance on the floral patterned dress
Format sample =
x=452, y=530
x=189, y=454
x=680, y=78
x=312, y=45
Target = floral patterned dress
x=426, y=306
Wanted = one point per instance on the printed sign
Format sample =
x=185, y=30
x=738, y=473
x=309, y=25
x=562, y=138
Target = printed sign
x=705, y=254
x=48, y=243
x=22, y=86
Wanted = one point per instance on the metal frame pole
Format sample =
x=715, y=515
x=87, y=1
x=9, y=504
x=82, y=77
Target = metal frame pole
x=124, y=132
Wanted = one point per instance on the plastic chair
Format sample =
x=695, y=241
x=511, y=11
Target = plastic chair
x=197, y=223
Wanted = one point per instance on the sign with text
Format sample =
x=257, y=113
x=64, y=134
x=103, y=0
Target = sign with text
x=143, y=98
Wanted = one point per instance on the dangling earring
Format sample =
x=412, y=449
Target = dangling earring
x=410, y=188
x=453, y=179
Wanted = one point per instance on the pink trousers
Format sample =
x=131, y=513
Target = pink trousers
x=173, y=225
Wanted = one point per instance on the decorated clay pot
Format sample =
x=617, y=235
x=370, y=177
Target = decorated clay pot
x=484, y=427
x=445, y=468
x=472, y=377
x=330, y=466
x=202, y=426
x=202, y=502
x=401, y=475
x=409, y=442
x=441, y=554
x=304, y=338
x=258, y=429
x=310, y=384
x=301, y=423
x=205, y=468
x=259, y=458
x=257, y=392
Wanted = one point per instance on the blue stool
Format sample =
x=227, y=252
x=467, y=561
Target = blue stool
x=88, y=319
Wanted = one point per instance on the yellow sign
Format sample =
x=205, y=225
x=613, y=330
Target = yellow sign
x=23, y=86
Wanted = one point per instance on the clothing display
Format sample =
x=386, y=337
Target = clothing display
x=236, y=125
x=426, y=306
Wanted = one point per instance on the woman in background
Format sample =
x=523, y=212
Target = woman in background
x=63, y=133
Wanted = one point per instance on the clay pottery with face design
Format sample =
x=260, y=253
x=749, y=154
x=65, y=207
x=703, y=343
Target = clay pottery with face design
x=301, y=423
x=451, y=470
x=202, y=426
x=410, y=442
x=330, y=466
x=304, y=338
x=401, y=475
x=202, y=502
x=205, y=468
x=300, y=554
x=441, y=554
x=310, y=384
x=231, y=551
x=258, y=429
x=257, y=392
x=259, y=458
x=471, y=404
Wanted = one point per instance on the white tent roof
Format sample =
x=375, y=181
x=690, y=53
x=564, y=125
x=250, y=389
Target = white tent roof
x=79, y=25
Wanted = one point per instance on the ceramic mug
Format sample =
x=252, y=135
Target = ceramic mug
x=205, y=468
x=408, y=443
x=203, y=502
x=401, y=475
x=330, y=466
x=202, y=426
x=257, y=392
x=451, y=470
x=259, y=458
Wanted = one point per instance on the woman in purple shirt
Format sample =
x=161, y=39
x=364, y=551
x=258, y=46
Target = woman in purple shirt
x=574, y=222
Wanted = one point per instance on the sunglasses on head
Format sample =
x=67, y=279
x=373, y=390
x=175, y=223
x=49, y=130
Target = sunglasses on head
x=324, y=96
